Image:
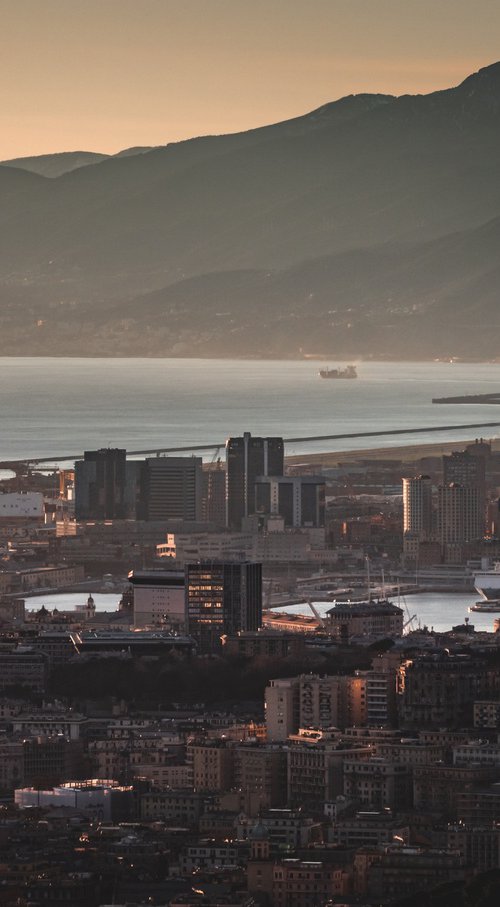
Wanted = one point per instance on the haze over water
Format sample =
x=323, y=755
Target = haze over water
x=63, y=406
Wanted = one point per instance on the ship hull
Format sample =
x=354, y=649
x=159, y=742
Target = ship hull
x=488, y=585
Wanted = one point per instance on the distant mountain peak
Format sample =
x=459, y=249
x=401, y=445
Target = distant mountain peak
x=482, y=90
x=486, y=76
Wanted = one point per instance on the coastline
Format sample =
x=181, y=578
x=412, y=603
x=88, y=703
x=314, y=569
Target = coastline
x=405, y=452
x=341, y=357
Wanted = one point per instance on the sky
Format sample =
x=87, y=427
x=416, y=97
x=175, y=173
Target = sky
x=102, y=75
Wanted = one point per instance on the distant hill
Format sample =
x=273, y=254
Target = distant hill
x=53, y=165
x=369, y=226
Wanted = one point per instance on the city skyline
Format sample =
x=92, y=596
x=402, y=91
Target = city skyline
x=103, y=77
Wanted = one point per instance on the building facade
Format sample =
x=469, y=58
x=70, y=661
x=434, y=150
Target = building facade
x=246, y=459
x=101, y=485
x=221, y=599
x=159, y=597
x=171, y=489
x=300, y=500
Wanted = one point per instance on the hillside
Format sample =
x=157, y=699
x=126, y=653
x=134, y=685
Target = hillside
x=371, y=225
x=53, y=165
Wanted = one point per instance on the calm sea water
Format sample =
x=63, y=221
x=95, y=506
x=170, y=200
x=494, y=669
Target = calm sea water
x=63, y=406
x=440, y=610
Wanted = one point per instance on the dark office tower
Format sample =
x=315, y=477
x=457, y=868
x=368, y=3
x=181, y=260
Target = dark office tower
x=464, y=468
x=300, y=500
x=458, y=520
x=222, y=598
x=171, y=489
x=101, y=485
x=214, y=495
x=246, y=459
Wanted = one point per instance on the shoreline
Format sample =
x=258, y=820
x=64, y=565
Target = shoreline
x=355, y=358
x=404, y=452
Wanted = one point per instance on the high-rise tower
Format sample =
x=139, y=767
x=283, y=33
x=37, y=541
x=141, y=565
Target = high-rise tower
x=417, y=507
x=222, y=598
x=101, y=485
x=247, y=458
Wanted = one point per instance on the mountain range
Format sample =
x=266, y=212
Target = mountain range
x=368, y=227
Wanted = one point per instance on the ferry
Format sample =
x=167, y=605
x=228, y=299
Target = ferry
x=348, y=372
x=486, y=607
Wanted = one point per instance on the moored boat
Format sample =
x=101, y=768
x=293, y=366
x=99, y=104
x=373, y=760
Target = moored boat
x=486, y=607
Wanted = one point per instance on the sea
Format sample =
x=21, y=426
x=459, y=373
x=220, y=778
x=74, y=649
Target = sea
x=60, y=407
x=436, y=610
x=439, y=610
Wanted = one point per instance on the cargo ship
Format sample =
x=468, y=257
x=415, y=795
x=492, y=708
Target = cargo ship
x=348, y=372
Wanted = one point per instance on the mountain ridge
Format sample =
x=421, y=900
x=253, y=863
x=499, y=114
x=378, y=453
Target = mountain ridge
x=344, y=184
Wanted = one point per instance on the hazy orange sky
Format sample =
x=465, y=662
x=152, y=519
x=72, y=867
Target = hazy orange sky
x=103, y=75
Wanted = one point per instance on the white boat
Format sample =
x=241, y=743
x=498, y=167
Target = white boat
x=486, y=607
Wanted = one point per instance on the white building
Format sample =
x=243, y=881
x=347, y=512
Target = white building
x=26, y=505
x=94, y=796
x=158, y=597
x=186, y=547
x=297, y=545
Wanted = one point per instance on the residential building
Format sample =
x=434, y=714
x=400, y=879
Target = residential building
x=323, y=701
x=212, y=765
x=480, y=847
x=282, y=704
x=11, y=765
x=437, y=788
x=398, y=871
x=23, y=667
x=378, y=783
x=52, y=760
x=261, y=769
x=304, y=883
x=182, y=806
x=49, y=723
x=487, y=714
x=269, y=643
x=439, y=690
x=315, y=767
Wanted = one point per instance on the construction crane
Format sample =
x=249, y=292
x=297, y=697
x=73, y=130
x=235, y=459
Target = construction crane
x=317, y=615
x=408, y=622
